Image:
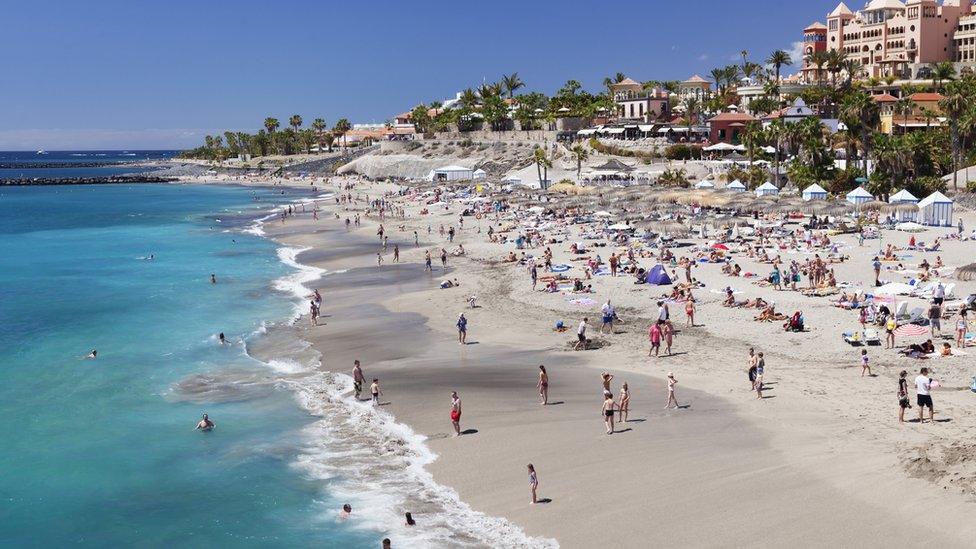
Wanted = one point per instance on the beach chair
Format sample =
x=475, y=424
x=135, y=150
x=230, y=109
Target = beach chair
x=901, y=310
x=917, y=316
x=949, y=289
x=872, y=337
x=853, y=338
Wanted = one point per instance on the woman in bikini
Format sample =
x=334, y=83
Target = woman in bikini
x=608, y=410
x=624, y=406
x=543, y=385
x=672, y=400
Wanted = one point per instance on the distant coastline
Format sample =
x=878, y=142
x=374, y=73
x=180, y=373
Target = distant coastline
x=99, y=180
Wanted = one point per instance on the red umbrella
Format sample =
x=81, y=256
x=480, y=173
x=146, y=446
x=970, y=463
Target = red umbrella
x=720, y=247
x=908, y=330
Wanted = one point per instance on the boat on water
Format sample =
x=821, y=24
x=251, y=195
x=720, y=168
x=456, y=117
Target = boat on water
x=42, y=151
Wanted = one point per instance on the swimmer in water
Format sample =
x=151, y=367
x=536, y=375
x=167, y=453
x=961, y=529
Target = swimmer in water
x=346, y=512
x=223, y=340
x=213, y=278
x=205, y=424
x=92, y=355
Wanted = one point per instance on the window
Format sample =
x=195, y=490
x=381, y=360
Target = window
x=833, y=24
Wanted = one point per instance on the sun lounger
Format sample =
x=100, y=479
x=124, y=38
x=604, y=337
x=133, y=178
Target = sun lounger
x=901, y=310
x=853, y=338
x=872, y=337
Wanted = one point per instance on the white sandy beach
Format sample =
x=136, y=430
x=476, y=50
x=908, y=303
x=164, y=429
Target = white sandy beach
x=822, y=460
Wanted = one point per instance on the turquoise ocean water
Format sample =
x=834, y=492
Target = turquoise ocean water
x=103, y=452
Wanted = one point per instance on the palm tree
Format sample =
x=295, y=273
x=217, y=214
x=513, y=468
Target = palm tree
x=542, y=164
x=295, y=122
x=775, y=133
x=835, y=63
x=905, y=107
x=941, y=72
x=954, y=105
x=319, y=126
x=580, y=154
x=342, y=126
x=860, y=106
x=777, y=59
x=692, y=106
x=512, y=82
x=819, y=59
x=752, y=137
x=718, y=75
x=743, y=54
x=272, y=124
x=852, y=67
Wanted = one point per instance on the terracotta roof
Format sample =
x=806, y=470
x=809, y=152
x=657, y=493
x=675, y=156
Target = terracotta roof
x=927, y=96
x=697, y=80
x=732, y=117
x=628, y=81
x=816, y=25
x=884, y=98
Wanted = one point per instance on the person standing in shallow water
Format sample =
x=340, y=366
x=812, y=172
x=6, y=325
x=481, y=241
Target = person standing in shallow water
x=609, y=409
x=358, y=378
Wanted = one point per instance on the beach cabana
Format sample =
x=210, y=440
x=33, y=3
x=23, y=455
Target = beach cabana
x=814, y=192
x=767, y=189
x=704, y=185
x=935, y=209
x=479, y=174
x=512, y=180
x=859, y=196
x=736, y=186
x=658, y=276
x=904, y=199
x=452, y=173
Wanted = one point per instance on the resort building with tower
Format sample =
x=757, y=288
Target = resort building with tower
x=636, y=104
x=895, y=38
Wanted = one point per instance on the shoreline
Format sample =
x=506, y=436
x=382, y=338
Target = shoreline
x=820, y=473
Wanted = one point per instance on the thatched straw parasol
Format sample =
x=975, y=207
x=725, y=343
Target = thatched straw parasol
x=899, y=208
x=967, y=272
x=672, y=228
x=872, y=206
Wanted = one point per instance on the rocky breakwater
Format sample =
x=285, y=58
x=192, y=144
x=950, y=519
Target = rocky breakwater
x=102, y=180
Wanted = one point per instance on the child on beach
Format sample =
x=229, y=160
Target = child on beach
x=962, y=327
x=623, y=408
x=760, y=370
x=865, y=367
x=462, y=327
x=533, y=483
x=375, y=390
x=608, y=411
x=654, y=334
x=690, y=310
x=672, y=400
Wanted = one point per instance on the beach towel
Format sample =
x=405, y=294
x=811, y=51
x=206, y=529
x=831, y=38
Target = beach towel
x=560, y=268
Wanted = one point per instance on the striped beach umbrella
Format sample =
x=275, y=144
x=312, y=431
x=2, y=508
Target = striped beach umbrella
x=910, y=330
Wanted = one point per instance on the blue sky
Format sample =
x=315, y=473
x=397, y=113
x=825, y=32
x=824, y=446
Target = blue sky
x=133, y=74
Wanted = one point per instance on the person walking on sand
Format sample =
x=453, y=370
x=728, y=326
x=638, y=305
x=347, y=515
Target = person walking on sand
x=690, y=310
x=533, y=483
x=456, y=413
x=654, y=334
x=962, y=326
x=935, y=319
x=672, y=399
x=396, y=253
x=416, y=239
x=379, y=259
x=462, y=328
x=903, y=400
x=543, y=385
x=751, y=368
x=865, y=366
x=358, y=378
x=923, y=388
x=427, y=266
x=374, y=389
x=608, y=314
x=623, y=407
x=760, y=371
x=668, y=330
x=609, y=407
x=876, y=263
x=606, y=378
x=581, y=336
